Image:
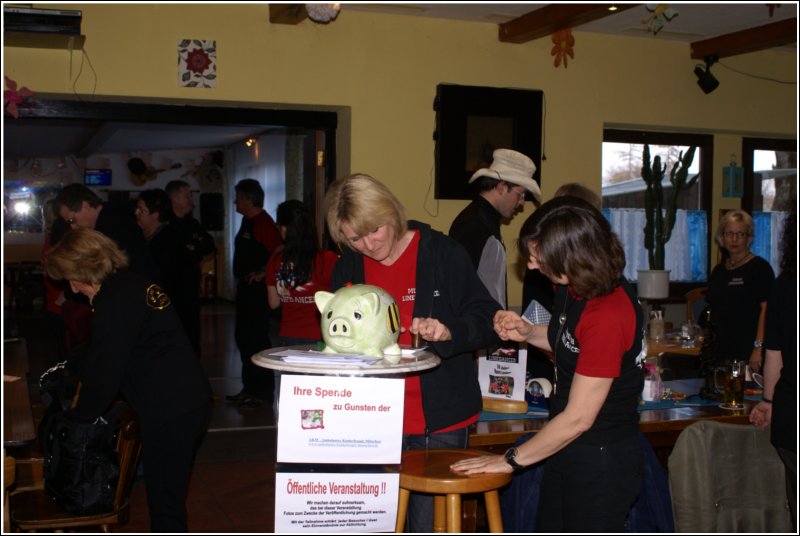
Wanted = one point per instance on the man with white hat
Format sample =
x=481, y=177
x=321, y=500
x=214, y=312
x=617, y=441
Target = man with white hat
x=502, y=189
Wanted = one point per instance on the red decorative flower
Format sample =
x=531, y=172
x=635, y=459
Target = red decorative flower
x=12, y=97
x=198, y=61
x=563, y=47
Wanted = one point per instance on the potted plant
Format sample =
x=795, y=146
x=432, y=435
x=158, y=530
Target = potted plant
x=660, y=210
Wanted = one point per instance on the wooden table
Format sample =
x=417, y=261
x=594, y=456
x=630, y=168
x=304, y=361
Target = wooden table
x=661, y=426
x=18, y=426
x=672, y=346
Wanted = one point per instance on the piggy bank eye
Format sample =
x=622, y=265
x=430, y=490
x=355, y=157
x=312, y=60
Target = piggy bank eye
x=330, y=314
x=357, y=315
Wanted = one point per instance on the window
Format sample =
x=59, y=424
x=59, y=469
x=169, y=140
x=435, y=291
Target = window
x=687, y=252
x=770, y=183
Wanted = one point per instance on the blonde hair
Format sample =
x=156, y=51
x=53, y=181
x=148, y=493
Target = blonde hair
x=85, y=256
x=364, y=204
x=735, y=216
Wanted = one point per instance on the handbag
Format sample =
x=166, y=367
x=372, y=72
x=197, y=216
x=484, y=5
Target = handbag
x=81, y=465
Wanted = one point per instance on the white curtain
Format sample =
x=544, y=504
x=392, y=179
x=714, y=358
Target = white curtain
x=686, y=252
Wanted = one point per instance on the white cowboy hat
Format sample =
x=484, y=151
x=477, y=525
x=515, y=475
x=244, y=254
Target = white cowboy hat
x=514, y=167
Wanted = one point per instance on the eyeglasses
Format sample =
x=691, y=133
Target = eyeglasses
x=520, y=194
x=735, y=234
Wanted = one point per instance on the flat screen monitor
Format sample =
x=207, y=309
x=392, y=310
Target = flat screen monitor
x=97, y=177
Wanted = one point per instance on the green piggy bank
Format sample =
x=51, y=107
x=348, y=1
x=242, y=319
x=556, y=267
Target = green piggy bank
x=360, y=319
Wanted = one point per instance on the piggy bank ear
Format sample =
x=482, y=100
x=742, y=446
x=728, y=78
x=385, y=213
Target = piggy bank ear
x=321, y=298
x=372, y=302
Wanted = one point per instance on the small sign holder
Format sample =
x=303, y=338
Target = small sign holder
x=501, y=374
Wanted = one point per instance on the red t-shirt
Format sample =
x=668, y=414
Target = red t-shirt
x=400, y=280
x=606, y=330
x=299, y=314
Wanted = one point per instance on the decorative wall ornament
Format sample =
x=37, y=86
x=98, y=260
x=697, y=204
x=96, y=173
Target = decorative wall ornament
x=661, y=14
x=322, y=13
x=13, y=97
x=563, y=41
x=197, y=63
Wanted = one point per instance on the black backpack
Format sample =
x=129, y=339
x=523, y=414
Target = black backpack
x=81, y=465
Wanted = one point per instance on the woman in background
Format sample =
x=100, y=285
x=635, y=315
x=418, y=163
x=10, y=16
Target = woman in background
x=138, y=349
x=737, y=293
x=293, y=274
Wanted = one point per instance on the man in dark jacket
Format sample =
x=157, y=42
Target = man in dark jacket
x=193, y=244
x=502, y=188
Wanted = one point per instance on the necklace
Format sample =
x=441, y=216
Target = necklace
x=731, y=265
x=562, y=321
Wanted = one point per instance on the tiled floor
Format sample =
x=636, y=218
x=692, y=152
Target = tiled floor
x=232, y=486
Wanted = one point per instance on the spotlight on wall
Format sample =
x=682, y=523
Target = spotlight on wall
x=705, y=79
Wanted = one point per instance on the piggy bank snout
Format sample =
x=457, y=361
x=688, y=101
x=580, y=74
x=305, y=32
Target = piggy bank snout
x=340, y=327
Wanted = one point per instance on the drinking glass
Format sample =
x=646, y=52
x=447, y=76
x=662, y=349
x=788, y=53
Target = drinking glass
x=733, y=394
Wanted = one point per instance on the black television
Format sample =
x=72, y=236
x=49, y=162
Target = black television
x=472, y=121
x=97, y=177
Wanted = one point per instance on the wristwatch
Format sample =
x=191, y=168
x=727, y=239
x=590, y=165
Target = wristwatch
x=510, y=456
x=757, y=343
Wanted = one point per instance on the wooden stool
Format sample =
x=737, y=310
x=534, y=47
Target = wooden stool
x=428, y=471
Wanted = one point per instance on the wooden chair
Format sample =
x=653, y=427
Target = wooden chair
x=693, y=297
x=9, y=475
x=428, y=471
x=34, y=510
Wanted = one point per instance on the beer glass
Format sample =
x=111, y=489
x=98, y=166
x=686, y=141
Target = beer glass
x=733, y=394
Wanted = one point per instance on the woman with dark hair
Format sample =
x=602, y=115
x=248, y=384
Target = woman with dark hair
x=293, y=274
x=594, y=456
x=138, y=349
x=779, y=403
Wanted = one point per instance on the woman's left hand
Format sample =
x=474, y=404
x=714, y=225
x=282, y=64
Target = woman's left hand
x=482, y=464
x=756, y=359
x=430, y=329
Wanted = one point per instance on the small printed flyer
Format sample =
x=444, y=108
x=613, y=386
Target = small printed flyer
x=330, y=419
x=501, y=373
x=336, y=502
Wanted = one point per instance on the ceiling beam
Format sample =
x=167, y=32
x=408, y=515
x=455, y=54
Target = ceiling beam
x=100, y=136
x=287, y=13
x=552, y=18
x=770, y=35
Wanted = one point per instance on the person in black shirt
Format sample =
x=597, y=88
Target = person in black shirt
x=139, y=350
x=193, y=245
x=779, y=404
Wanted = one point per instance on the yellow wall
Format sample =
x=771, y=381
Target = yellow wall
x=381, y=71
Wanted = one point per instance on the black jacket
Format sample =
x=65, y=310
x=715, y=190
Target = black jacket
x=449, y=290
x=139, y=349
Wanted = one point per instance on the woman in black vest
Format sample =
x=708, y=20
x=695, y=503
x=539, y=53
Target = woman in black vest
x=594, y=458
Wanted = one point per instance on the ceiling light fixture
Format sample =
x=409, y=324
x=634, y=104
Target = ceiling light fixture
x=612, y=8
x=250, y=141
x=705, y=79
x=322, y=13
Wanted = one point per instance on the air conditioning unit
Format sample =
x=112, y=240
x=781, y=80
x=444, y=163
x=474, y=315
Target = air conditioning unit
x=42, y=21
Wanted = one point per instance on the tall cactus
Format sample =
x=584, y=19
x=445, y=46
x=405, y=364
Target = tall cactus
x=660, y=220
